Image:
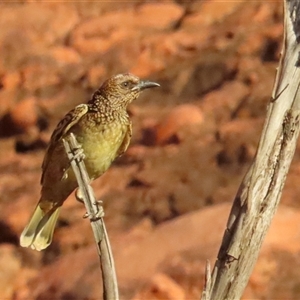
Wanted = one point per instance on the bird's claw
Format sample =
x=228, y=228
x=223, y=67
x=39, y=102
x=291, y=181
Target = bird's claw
x=97, y=216
x=65, y=175
x=98, y=203
x=78, y=154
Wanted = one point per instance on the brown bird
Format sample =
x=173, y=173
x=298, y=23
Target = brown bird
x=103, y=128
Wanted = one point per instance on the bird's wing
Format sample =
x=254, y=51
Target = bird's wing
x=62, y=129
x=126, y=140
x=68, y=121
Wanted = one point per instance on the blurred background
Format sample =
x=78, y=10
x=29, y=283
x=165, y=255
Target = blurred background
x=167, y=199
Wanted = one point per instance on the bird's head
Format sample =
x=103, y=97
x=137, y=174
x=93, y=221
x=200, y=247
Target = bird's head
x=124, y=88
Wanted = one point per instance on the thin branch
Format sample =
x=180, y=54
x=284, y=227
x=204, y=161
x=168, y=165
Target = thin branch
x=95, y=214
x=207, y=282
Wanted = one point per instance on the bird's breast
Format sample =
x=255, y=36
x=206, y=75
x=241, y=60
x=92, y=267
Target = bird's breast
x=100, y=144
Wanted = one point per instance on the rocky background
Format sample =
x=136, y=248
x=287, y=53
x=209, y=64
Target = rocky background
x=167, y=199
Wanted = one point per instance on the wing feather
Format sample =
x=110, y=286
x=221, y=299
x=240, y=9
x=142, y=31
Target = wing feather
x=62, y=129
x=126, y=140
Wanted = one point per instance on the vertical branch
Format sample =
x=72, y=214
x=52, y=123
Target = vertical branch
x=207, y=282
x=258, y=196
x=95, y=214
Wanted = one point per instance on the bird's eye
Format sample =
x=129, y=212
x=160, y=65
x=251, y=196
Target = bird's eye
x=125, y=84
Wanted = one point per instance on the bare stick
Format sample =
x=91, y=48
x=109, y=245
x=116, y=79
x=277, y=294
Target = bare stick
x=95, y=213
x=259, y=194
x=207, y=282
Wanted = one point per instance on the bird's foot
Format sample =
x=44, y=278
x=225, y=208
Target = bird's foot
x=78, y=154
x=95, y=216
x=98, y=203
x=65, y=175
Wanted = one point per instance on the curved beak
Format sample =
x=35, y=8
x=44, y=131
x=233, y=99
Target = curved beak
x=145, y=84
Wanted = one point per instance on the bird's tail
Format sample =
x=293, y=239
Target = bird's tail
x=39, y=231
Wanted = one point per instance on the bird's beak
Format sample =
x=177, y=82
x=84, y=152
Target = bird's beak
x=142, y=85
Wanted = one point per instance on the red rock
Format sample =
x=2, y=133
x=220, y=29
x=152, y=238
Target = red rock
x=220, y=104
x=274, y=32
x=282, y=236
x=138, y=152
x=276, y=274
x=239, y=139
x=59, y=279
x=161, y=287
x=32, y=22
x=146, y=260
x=40, y=75
x=96, y=75
x=68, y=63
x=252, y=44
x=212, y=12
x=184, y=43
x=11, y=80
x=136, y=263
x=97, y=35
x=181, y=116
x=10, y=262
x=147, y=63
x=8, y=99
x=63, y=19
x=157, y=16
x=264, y=13
x=25, y=114
x=65, y=55
x=292, y=188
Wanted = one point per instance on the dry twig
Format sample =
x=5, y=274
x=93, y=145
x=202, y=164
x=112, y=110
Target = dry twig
x=95, y=214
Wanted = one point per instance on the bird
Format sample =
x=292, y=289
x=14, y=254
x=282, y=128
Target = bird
x=103, y=130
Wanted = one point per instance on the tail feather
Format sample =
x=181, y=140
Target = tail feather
x=39, y=231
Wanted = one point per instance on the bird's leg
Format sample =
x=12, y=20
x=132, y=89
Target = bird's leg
x=99, y=213
x=100, y=210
